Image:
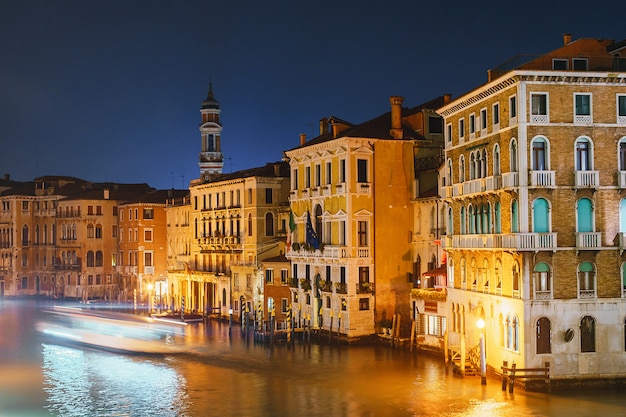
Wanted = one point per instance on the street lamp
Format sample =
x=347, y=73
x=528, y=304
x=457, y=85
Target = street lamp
x=483, y=362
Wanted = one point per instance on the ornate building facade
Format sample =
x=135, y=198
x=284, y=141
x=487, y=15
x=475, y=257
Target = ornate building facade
x=535, y=209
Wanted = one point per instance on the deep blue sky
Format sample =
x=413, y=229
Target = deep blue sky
x=109, y=90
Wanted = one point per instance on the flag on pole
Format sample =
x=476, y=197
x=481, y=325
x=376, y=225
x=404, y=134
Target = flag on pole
x=292, y=228
x=311, y=235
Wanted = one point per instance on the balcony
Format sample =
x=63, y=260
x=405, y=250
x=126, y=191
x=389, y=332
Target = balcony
x=447, y=191
x=510, y=179
x=493, y=183
x=474, y=186
x=363, y=188
x=517, y=241
x=589, y=240
x=587, y=179
x=542, y=178
x=543, y=295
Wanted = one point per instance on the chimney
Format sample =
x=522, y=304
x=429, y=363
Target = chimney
x=106, y=193
x=277, y=170
x=302, y=139
x=567, y=38
x=396, y=116
x=323, y=126
x=447, y=98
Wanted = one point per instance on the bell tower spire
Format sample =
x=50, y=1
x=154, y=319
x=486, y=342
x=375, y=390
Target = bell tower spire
x=211, y=157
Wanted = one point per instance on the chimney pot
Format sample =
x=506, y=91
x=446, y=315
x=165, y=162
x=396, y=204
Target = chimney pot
x=567, y=38
x=302, y=139
x=447, y=98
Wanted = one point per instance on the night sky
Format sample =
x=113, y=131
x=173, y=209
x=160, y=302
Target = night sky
x=111, y=90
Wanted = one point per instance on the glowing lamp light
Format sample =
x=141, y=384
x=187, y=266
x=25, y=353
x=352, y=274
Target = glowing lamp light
x=480, y=323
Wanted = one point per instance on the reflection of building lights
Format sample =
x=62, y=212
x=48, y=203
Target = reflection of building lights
x=483, y=360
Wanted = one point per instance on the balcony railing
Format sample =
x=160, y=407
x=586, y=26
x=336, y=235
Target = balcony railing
x=518, y=241
x=587, y=179
x=543, y=295
x=586, y=294
x=588, y=240
x=510, y=179
x=542, y=178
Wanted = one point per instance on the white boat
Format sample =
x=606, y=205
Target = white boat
x=112, y=331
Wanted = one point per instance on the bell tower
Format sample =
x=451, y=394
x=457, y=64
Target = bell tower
x=211, y=157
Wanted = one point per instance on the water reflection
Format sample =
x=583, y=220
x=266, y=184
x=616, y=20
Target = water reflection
x=87, y=383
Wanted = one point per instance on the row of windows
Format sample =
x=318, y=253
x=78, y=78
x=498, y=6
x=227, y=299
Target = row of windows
x=147, y=212
x=133, y=235
x=587, y=335
x=539, y=159
x=539, y=113
x=318, y=178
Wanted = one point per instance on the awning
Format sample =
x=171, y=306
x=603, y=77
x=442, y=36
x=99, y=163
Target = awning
x=442, y=271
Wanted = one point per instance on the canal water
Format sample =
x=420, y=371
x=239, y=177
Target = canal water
x=223, y=373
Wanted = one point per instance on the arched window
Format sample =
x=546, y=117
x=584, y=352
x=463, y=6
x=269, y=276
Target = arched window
x=543, y=281
x=98, y=231
x=450, y=225
x=514, y=217
x=451, y=273
x=497, y=217
x=474, y=274
x=462, y=221
x=472, y=220
x=473, y=166
x=485, y=276
x=544, y=333
x=513, y=158
x=587, y=334
x=539, y=154
x=541, y=216
x=498, y=276
x=586, y=280
x=515, y=278
x=584, y=216
x=462, y=168
x=90, y=230
x=449, y=178
x=513, y=333
x=90, y=258
x=224, y=297
x=463, y=274
x=501, y=326
x=583, y=154
x=485, y=164
x=25, y=236
x=99, y=258
x=269, y=224
x=496, y=159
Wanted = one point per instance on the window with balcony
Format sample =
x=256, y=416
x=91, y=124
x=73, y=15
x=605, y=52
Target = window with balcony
x=514, y=217
x=539, y=154
x=586, y=280
x=539, y=108
x=450, y=223
x=582, y=108
x=588, y=334
x=583, y=154
x=544, y=336
x=497, y=218
x=584, y=216
x=362, y=233
x=543, y=281
x=513, y=159
x=496, y=160
x=541, y=216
